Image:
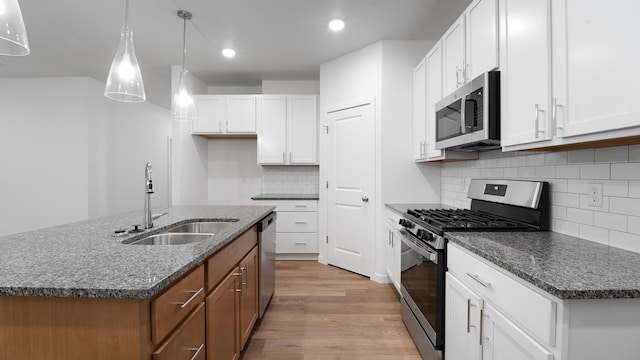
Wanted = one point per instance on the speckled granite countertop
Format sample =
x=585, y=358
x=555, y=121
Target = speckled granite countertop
x=286, y=197
x=564, y=266
x=83, y=259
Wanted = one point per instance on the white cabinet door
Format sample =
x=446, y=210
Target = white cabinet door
x=272, y=129
x=502, y=340
x=389, y=253
x=210, y=114
x=481, y=37
x=453, y=56
x=462, y=321
x=302, y=125
x=597, y=51
x=433, y=64
x=419, y=110
x=241, y=114
x=525, y=55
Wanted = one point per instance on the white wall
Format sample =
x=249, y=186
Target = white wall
x=272, y=87
x=616, y=223
x=226, y=90
x=234, y=176
x=68, y=153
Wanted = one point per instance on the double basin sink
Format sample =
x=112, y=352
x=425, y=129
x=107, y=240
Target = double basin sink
x=189, y=233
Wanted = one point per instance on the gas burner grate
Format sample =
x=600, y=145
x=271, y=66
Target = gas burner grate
x=463, y=219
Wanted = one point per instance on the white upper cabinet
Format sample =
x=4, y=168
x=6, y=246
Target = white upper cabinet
x=287, y=130
x=419, y=111
x=597, y=57
x=224, y=114
x=453, y=56
x=470, y=46
x=525, y=71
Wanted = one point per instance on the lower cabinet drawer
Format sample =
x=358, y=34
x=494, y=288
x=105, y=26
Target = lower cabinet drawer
x=528, y=308
x=297, y=222
x=187, y=342
x=296, y=243
x=170, y=308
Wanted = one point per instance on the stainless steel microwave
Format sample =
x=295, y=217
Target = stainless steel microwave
x=469, y=118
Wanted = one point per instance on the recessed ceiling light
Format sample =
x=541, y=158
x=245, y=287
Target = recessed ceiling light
x=336, y=25
x=229, y=53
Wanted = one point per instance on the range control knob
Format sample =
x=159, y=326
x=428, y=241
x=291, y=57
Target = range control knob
x=427, y=236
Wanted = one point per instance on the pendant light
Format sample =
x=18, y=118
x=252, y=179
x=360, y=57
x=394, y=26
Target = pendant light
x=13, y=35
x=124, y=82
x=182, y=105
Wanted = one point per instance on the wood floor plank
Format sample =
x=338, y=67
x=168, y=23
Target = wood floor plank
x=320, y=312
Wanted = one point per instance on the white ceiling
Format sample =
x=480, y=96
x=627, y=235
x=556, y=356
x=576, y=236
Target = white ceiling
x=274, y=39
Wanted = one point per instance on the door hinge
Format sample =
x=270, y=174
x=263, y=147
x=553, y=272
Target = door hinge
x=327, y=239
x=327, y=184
x=326, y=128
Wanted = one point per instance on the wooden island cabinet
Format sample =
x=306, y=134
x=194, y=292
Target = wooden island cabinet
x=208, y=313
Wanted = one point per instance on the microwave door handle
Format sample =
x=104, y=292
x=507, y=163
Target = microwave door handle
x=463, y=120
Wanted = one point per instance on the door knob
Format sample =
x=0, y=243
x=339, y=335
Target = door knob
x=365, y=199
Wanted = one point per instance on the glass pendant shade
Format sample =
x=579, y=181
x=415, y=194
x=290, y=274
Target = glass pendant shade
x=13, y=35
x=125, y=80
x=182, y=105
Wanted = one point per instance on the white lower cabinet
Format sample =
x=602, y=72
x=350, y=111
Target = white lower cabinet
x=296, y=229
x=393, y=248
x=491, y=316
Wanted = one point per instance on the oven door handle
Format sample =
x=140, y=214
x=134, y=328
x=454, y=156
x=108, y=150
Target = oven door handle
x=431, y=255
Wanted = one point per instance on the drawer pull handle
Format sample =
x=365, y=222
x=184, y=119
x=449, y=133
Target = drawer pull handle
x=245, y=277
x=197, y=350
x=301, y=243
x=477, y=278
x=300, y=205
x=186, y=303
x=301, y=222
x=468, y=316
x=481, y=320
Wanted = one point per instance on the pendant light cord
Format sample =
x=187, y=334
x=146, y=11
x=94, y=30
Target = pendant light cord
x=126, y=14
x=184, y=43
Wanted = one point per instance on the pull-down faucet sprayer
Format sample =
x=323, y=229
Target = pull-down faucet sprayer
x=148, y=190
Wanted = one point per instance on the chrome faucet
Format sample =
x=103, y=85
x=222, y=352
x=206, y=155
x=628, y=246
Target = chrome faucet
x=148, y=190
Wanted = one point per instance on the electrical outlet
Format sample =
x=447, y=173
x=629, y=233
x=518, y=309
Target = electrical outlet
x=594, y=195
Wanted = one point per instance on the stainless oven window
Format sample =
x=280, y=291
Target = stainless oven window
x=449, y=120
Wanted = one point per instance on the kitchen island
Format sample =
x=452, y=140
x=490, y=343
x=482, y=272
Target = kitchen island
x=76, y=292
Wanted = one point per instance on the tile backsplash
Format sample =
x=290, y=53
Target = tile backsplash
x=615, y=223
x=290, y=179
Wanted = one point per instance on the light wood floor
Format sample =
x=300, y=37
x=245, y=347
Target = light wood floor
x=322, y=312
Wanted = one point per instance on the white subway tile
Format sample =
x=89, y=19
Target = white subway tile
x=511, y=173
x=559, y=185
x=580, y=216
x=594, y=234
x=634, y=152
x=556, y=158
x=565, y=227
x=527, y=173
x=518, y=161
x=598, y=171
x=615, y=188
x=584, y=203
x=497, y=173
x=612, y=154
x=568, y=172
x=485, y=173
x=610, y=221
x=558, y=212
x=628, y=171
x=634, y=189
x=577, y=186
x=535, y=160
x=624, y=240
x=634, y=225
x=565, y=199
x=586, y=156
x=628, y=206
x=491, y=163
x=504, y=162
x=545, y=172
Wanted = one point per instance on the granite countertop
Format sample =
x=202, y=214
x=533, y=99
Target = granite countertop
x=286, y=197
x=83, y=259
x=562, y=265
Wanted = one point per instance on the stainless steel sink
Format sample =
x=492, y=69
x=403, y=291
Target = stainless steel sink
x=209, y=227
x=172, y=239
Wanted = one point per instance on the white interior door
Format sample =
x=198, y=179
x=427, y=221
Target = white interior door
x=351, y=171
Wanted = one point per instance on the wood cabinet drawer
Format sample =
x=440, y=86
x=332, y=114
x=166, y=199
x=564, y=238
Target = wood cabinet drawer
x=219, y=265
x=187, y=342
x=297, y=243
x=524, y=305
x=296, y=205
x=297, y=222
x=170, y=308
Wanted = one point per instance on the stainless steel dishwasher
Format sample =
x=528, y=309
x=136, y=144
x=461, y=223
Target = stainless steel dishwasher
x=267, y=245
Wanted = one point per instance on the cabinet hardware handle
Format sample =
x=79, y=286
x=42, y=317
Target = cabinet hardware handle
x=186, y=303
x=481, y=315
x=290, y=157
x=301, y=222
x=554, y=113
x=284, y=157
x=300, y=205
x=197, y=350
x=537, y=122
x=245, y=276
x=301, y=243
x=468, y=316
x=477, y=278
x=220, y=125
x=226, y=126
x=458, y=71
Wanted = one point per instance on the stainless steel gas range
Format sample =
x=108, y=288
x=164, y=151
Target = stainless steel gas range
x=496, y=205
